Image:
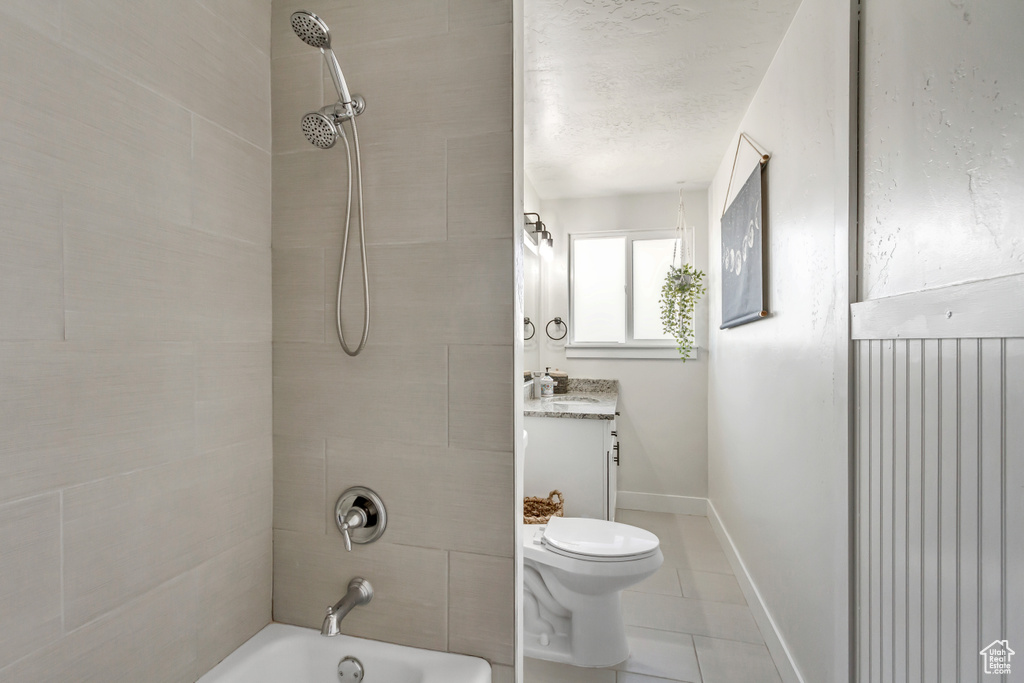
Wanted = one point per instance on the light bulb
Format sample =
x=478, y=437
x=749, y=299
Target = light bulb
x=547, y=250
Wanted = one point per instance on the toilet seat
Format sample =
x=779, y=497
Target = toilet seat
x=598, y=540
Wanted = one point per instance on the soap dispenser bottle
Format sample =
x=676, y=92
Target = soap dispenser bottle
x=547, y=384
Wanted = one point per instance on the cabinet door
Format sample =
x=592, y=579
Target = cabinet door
x=611, y=461
x=568, y=455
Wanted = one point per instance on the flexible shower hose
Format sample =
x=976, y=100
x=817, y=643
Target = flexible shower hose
x=362, y=243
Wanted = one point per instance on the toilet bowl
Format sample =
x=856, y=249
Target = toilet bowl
x=574, y=572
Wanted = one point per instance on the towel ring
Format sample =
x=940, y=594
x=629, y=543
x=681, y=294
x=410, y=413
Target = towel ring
x=556, y=321
x=526, y=321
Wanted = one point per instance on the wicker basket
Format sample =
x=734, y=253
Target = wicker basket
x=540, y=510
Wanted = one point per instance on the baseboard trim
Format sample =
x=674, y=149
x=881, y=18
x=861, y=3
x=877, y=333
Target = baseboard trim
x=776, y=645
x=661, y=502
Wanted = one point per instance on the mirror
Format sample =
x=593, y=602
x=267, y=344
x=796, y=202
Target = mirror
x=531, y=303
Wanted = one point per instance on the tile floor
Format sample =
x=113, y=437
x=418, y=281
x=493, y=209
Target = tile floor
x=688, y=623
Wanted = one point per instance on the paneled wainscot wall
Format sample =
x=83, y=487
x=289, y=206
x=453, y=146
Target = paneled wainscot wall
x=940, y=479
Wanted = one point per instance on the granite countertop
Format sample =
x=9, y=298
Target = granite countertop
x=587, y=399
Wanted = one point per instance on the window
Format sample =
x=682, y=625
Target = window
x=614, y=290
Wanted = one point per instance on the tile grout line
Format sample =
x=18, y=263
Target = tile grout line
x=63, y=608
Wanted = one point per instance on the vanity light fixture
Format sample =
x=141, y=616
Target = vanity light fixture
x=540, y=234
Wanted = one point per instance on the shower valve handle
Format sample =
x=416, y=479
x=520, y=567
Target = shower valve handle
x=355, y=518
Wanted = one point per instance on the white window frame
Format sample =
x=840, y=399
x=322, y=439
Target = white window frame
x=631, y=348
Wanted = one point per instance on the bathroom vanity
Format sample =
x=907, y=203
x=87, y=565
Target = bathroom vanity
x=572, y=447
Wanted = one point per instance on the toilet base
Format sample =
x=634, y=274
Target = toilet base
x=592, y=634
x=553, y=648
x=558, y=649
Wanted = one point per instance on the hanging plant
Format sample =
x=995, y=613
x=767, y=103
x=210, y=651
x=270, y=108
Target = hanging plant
x=679, y=295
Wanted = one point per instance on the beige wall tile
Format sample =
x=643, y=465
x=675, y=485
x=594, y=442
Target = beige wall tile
x=444, y=498
x=482, y=606
x=353, y=22
x=30, y=54
x=123, y=645
x=404, y=179
x=234, y=598
x=410, y=593
x=126, y=535
x=212, y=73
x=400, y=391
x=441, y=292
x=469, y=13
x=233, y=393
x=231, y=295
x=298, y=89
x=480, y=397
x=480, y=184
x=127, y=276
x=309, y=198
x=298, y=284
x=30, y=231
x=30, y=237
x=455, y=84
x=97, y=202
x=123, y=139
x=230, y=185
x=29, y=576
x=40, y=15
x=404, y=193
x=250, y=18
x=503, y=674
x=300, y=473
x=73, y=412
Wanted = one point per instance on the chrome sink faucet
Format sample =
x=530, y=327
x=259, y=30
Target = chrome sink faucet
x=359, y=592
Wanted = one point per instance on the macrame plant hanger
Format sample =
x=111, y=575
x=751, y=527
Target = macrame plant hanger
x=683, y=247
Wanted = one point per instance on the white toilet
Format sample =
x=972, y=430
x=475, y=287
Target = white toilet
x=574, y=572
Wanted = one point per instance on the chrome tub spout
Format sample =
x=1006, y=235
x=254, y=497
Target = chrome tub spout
x=359, y=592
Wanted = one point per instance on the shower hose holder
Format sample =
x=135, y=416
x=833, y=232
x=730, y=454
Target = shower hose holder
x=339, y=112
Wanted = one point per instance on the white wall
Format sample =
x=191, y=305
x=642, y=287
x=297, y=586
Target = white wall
x=778, y=388
x=663, y=403
x=941, y=143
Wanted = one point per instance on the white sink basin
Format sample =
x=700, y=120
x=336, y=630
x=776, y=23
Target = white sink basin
x=573, y=400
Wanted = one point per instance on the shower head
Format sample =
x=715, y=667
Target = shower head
x=319, y=130
x=311, y=29
x=314, y=32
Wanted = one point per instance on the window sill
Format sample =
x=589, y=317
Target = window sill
x=622, y=351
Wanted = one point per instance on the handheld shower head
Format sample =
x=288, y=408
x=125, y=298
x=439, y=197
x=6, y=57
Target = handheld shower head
x=311, y=29
x=314, y=32
x=319, y=130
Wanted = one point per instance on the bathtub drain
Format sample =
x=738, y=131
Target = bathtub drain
x=350, y=670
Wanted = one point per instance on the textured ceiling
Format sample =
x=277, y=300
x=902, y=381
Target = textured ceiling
x=628, y=96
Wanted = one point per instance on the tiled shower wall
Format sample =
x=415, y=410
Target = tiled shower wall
x=424, y=414
x=135, y=325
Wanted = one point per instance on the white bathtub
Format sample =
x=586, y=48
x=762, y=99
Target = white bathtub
x=289, y=654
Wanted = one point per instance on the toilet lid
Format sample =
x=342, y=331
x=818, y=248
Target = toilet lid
x=598, y=538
